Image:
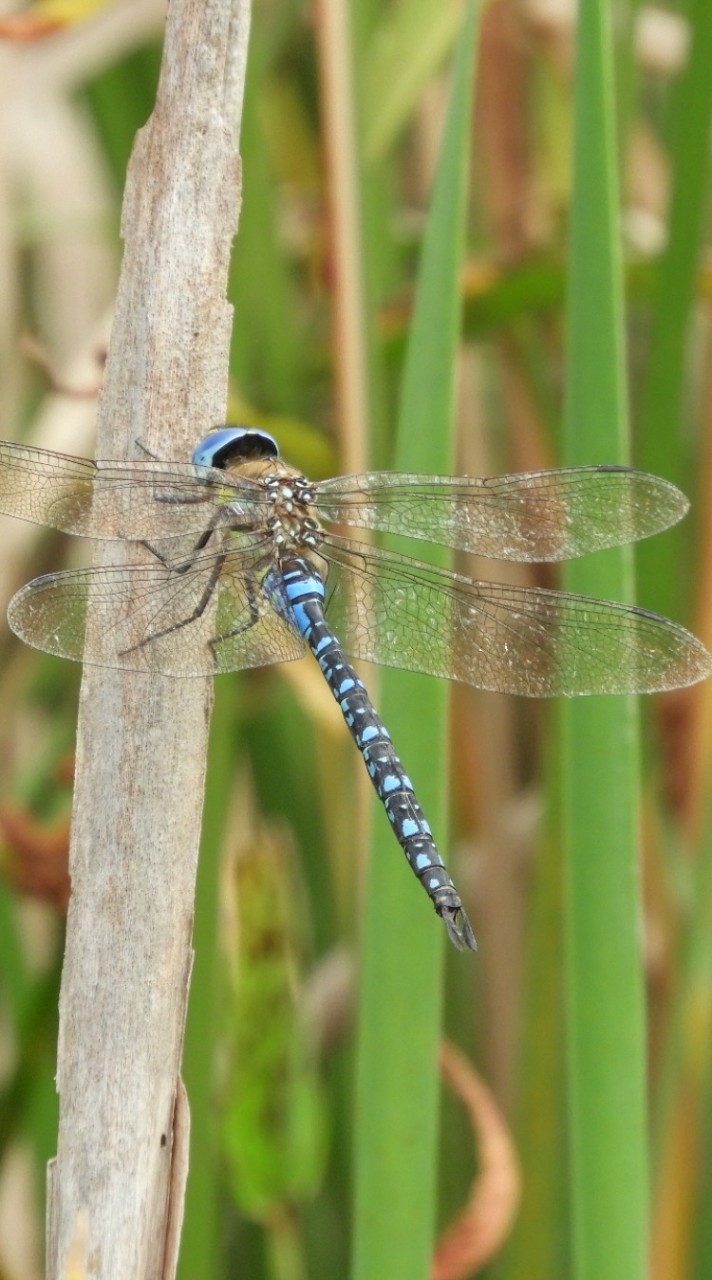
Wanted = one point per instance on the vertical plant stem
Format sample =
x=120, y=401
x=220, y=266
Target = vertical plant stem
x=400, y=1009
x=341, y=142
x=201, y=1244
x=665, y=438
x=116, y=1187
x=606, y=1044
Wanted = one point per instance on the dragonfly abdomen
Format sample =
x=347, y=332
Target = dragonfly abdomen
x=305, y=593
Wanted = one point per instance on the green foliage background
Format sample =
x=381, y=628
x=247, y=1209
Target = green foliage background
x=546, y=274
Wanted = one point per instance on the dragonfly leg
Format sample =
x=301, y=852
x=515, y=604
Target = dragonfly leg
x=196, y=613
x=176, y=499
x=145, y=449
x=183, y=500
x=244, y=626
x=200, y=545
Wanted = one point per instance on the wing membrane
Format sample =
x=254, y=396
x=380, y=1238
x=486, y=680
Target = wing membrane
x=139, y=501
x=507, y=639
x=196, y=621
x=134, y=617
x=534, y=516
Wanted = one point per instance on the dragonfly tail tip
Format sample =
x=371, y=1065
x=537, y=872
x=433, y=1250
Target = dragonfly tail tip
x=459, y=928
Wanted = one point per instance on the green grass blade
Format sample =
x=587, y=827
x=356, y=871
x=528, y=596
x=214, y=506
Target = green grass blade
x=397, y=1092
x=606, y=1046
x=200, y=1246
x=409, y=43
x=666, y=389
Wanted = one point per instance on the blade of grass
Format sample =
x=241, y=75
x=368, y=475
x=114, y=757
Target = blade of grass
x=664, y=394
x=606, y=1046
x=409, y=43
x=201, y=1244
x=681, y=1106
x=396, y=1120
x=539, y=1247
x=681, y=1103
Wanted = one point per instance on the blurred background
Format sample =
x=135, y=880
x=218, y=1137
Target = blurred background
x=270, y=1041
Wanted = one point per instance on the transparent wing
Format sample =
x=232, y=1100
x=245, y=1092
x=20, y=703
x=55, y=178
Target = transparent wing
x=144, y=500
x=153, y=618
x=401, y=613
x=534, y=516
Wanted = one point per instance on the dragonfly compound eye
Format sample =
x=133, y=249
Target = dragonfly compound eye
x=228, y=444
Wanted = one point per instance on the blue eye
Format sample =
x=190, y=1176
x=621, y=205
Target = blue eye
x=225, y=443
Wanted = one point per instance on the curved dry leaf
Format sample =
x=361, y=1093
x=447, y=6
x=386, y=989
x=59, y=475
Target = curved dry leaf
x=478, y=1231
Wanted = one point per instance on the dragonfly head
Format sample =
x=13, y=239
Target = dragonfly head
x=227, y=445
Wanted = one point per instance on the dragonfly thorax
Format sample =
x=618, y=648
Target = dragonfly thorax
x=293, y=522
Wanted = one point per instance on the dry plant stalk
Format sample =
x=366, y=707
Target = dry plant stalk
x=116, y=1186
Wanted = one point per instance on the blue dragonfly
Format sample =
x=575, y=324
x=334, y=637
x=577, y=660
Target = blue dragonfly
x=238, y=560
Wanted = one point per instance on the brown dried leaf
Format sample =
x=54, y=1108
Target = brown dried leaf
x=37, y=864
x=478, y=1231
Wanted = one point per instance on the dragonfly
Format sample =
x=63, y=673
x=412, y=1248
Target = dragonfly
x=237, y=560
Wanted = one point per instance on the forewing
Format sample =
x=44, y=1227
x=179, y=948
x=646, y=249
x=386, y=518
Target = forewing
x=506, y=639
x=533, y=516
x=140, y=501
x=152, y=618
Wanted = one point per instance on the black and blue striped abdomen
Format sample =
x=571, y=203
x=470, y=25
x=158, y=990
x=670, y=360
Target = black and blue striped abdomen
x=300, y=589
